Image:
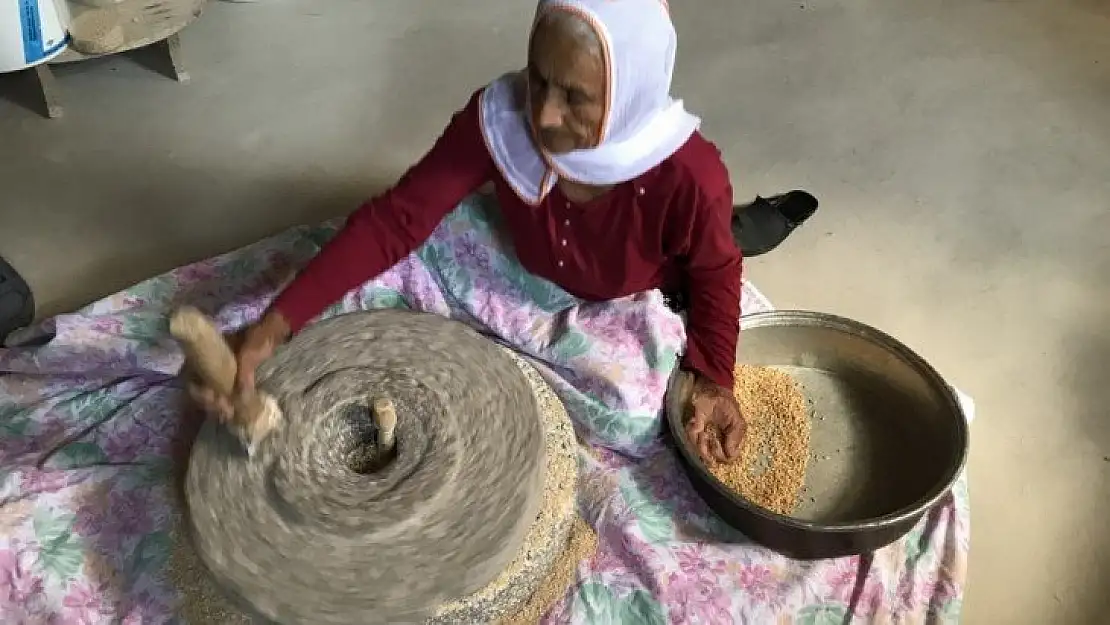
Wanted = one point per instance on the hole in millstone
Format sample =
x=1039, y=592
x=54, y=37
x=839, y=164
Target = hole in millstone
x=360, y=440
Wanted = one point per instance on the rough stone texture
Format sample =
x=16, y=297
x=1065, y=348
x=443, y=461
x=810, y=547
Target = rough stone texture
x=529, y=572
x=295, y=536
x=547, y=537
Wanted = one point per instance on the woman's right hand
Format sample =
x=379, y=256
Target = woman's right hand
x=252, y=346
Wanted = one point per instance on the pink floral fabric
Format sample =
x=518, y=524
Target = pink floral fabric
x=91, y=413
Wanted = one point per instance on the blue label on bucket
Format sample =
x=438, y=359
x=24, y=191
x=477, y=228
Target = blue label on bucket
x=33, y=48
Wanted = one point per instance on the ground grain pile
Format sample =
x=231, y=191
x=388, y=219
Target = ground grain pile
x=771, y=468
x=202, y=602
x=581, y=545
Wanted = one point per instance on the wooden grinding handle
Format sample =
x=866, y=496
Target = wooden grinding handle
x=206, y=350
x=208, y=353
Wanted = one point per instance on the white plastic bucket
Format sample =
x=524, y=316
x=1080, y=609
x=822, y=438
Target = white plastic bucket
x=31, y=32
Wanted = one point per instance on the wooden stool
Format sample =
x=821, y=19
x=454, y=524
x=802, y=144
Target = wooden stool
x=144, y=23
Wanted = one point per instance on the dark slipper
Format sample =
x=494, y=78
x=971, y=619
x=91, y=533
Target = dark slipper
x=17, y=304
x=764, y=224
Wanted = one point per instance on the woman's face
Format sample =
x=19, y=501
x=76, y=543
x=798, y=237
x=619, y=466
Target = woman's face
x=566, y=84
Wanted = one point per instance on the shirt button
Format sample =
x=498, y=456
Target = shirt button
x=568, y=204
x=640, y=190
x=566, y=222
x=564, y=242
x=561, y=263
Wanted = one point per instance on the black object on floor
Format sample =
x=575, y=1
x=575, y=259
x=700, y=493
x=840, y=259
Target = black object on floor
x=17, y=304
x=764, y=224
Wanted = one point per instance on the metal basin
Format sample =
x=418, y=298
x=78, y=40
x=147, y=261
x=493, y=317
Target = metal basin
x=888, y=437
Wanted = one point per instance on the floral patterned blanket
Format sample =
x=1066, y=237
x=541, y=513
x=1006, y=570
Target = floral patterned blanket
x=91, y=415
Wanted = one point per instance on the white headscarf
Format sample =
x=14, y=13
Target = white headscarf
x=642, y=127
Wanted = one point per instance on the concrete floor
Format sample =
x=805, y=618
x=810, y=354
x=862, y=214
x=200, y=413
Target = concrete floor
x=961, y=151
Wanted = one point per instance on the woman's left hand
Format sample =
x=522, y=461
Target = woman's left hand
x=716, y=427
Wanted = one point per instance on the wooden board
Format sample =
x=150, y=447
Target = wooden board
x=139, y=29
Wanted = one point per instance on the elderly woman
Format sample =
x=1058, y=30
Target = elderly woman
x=605, y=188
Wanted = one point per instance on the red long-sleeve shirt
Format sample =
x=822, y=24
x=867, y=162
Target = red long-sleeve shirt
x=667, y=229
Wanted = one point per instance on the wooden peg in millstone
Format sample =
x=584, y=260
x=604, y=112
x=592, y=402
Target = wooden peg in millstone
x=256, y=414
x=386, y=417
